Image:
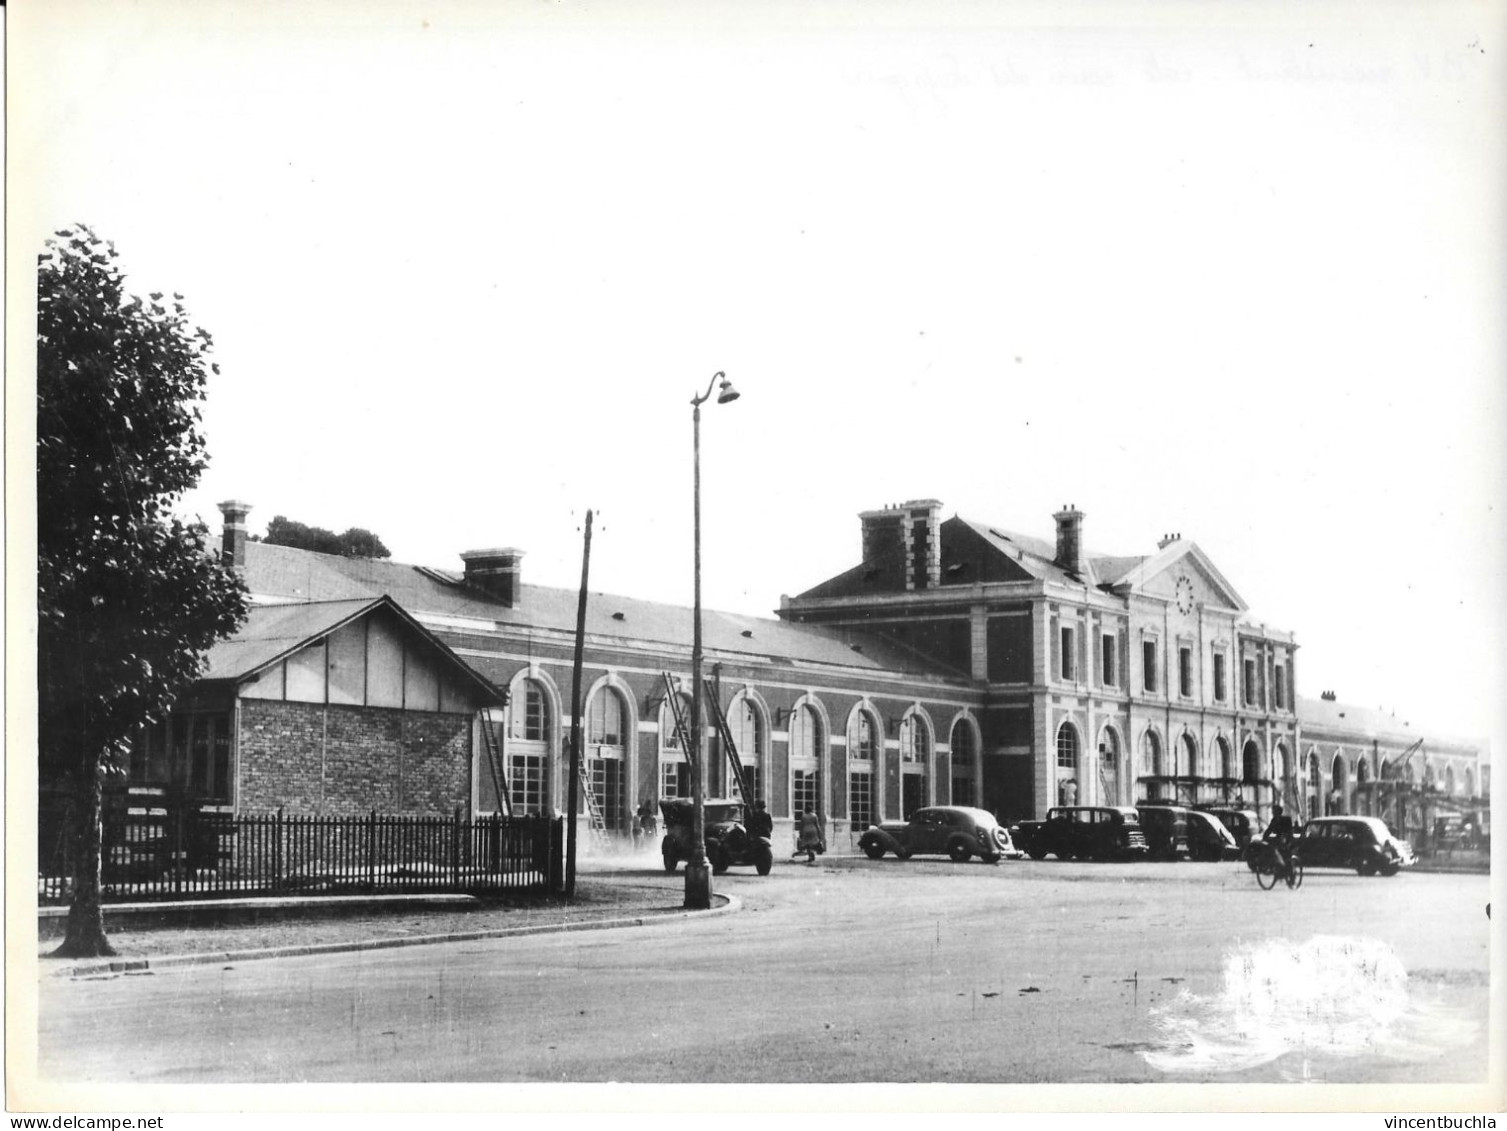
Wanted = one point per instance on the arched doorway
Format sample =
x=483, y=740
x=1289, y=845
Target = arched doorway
x=746, y=723
x=606, y=755
x=807, y=746
x=1363, y=786
x=1229, y=779
x=864, y=763
x=915, y=763
x=964, y=755
x=1339, y=786
x=1250, y=773
x=1284, y=789
x=1067, y=764
x=1151, y=767
x=1109, y=766
x=674, y=776
x=530, y=733
x=1188, y=775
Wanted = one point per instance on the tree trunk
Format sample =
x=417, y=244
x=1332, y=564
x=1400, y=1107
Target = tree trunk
x=86, y=921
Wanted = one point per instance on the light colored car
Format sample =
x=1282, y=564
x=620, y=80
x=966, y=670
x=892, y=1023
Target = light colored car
x=955, y=831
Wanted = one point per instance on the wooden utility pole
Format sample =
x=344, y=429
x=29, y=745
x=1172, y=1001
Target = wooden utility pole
x=575, y=719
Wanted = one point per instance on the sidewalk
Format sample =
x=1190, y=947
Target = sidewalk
x=601, y=901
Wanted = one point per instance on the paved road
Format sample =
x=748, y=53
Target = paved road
x=855, y=971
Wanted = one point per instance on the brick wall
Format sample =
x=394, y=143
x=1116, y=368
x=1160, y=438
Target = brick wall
x=312, y=758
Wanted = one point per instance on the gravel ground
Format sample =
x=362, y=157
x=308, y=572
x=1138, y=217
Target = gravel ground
x=595, y=899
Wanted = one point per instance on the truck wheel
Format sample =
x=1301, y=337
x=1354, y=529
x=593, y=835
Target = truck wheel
x=1036, y=853
x=670, y=861
x=718, y=860
x=873, y=850
x=959, y=852
x=764, y=861
x=902, y=853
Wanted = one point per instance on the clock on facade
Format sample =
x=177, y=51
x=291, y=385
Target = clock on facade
x=1184, y=595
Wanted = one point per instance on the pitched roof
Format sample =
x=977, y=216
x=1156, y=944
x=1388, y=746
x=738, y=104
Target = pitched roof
x=273, y=632
x=1369, y=722
x=1035, y=555
x=285, y=573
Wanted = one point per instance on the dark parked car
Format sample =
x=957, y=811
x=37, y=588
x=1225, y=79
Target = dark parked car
x=953, y=830
x=728, y=843
x=1243, y=824
x=1362, y=843
x=1166, y=828
x=1208, y=839
x=1083, y=832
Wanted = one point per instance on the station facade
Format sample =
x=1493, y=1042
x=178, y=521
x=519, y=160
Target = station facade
x=957, y=663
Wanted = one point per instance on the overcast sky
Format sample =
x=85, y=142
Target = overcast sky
x=466, y=265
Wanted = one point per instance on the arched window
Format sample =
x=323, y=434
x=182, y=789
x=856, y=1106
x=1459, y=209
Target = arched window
x=747, y=726
x=1315, y=793
x=806, y=748
x=863, y=758
x=1067, y=764
x=674, y=767
x=529, y=734
x=607, y=741
x=1226, y=758
x=964, y=751
x=1251, y=770
x=916, y=744
x=1449, y=780
x=604, y=719
x=1189, y=755
x=1470, y=782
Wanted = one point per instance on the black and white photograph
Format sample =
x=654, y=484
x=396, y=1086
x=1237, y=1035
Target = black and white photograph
x=843, y=558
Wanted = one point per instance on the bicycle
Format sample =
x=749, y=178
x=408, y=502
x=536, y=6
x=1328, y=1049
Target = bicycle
x=1268, y=866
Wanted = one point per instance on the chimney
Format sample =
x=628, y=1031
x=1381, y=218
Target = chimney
x=1167, y=540
x=883, y=533
x=496, y=572
x=909, y=533
x=233, y=541
x=1070, y=553
x=924, y=562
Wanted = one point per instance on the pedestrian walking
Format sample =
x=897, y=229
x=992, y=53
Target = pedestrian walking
x=809, y=836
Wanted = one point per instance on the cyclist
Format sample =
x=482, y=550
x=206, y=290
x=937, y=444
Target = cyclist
x=1279, y=834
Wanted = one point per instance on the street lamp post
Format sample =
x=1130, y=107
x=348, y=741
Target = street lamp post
x=698, y=876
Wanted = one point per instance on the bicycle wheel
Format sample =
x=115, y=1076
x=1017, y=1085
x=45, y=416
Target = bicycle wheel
x=1266, y=874
x=1295, y=874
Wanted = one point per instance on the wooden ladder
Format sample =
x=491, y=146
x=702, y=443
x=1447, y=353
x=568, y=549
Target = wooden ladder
x=494, y=761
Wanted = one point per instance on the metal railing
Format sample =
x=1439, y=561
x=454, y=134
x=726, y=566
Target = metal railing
x=161, y=851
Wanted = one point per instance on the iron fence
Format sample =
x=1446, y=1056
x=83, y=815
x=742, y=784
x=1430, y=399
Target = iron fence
x=164, y=851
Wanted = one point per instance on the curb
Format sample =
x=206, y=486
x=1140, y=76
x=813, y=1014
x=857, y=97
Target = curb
x=730, y=904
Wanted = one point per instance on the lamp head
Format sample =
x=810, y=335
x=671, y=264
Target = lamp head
x=727, y=392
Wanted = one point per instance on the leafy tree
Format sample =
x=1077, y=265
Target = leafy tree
x=128, y=597
x=354, y=543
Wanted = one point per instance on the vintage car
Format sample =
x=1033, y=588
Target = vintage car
x=951, y=830
x=1362, y=843
x=1083, y=832
x=1166, y=829
x=1208, y=839
x=728, y=843
x=1243, y=824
